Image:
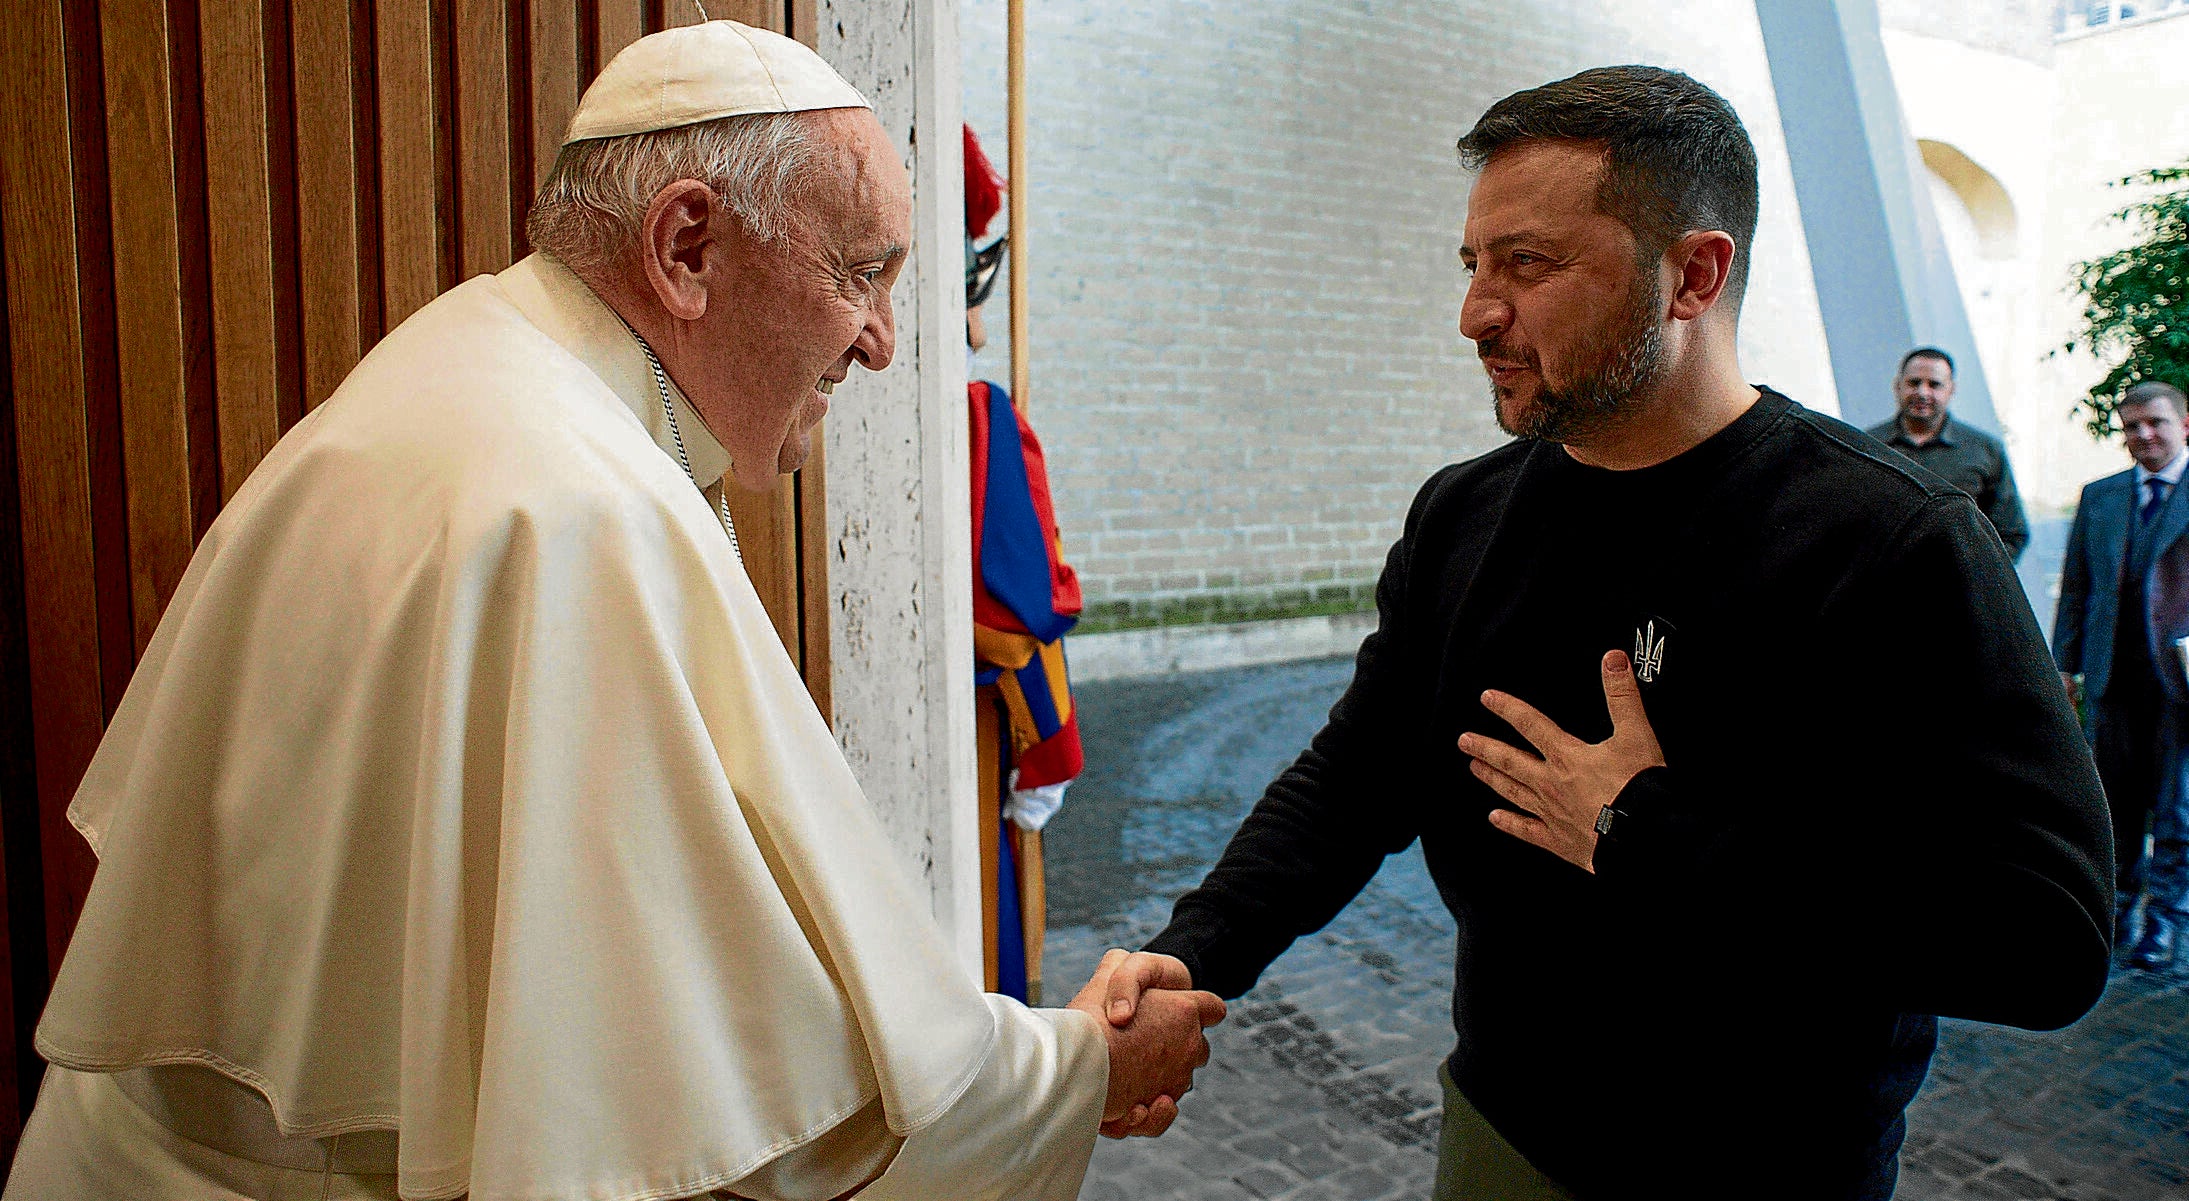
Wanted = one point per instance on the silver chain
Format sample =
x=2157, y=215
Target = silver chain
x=661, y=385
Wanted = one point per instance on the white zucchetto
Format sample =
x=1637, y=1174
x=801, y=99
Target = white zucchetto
x=703, y=72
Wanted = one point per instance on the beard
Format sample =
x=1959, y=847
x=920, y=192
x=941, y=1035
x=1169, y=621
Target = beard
x=1612, y=364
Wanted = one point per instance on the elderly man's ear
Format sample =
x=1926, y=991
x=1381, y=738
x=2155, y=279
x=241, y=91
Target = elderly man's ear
x=680, y=226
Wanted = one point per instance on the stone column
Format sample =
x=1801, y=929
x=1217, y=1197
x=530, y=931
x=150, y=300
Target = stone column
x=899, y=506
x=1884, y=284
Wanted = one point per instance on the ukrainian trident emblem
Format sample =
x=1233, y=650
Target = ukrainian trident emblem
x=1649, y=652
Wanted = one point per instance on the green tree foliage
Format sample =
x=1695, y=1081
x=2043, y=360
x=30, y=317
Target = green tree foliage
x=2136, y=300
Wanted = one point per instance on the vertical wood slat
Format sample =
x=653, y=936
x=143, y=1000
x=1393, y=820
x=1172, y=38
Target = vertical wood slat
x=365, y=121
x=517, y=137
x=409, y=231
x=767, y=529
x=554, y=81
x=65, y=859
x=328, y=219
x=148, y=290
x=812, y=566
x=620, y=23
x=22, y=949
x=804, y=20
x=240, y=195
x=201, y=423
x=280, y=74
x=47, y=346
x=762, y=14
x=101, y=395
x=482, y=136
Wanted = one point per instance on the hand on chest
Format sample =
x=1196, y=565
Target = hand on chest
x=1693, y=591
x=1713, y=657
x=1556, y=668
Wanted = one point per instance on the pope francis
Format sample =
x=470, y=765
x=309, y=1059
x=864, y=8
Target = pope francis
x=465, y=830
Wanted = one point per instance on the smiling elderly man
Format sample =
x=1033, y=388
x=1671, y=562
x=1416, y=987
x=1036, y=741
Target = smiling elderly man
x=1623, y=688
x=466, y=830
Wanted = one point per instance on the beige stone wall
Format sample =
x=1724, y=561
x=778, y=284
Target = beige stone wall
x=899, y=512
x=1245, y=284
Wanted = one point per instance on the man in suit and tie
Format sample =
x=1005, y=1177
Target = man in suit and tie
x=2124, y=604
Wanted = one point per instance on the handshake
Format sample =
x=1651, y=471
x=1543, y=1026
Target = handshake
x=1153, y=1018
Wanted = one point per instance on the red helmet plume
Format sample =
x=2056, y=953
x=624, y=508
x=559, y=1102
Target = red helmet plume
x=983, y=188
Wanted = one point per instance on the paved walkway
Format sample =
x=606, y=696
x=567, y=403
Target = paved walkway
x=1323, y=1084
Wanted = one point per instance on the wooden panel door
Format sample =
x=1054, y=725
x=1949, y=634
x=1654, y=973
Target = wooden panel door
x=209, y=211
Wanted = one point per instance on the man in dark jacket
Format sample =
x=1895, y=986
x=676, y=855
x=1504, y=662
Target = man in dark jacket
x=1960, y=454
x=2124, y=610
x=1624, y=687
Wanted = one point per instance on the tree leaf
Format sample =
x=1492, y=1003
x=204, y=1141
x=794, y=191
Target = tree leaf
x=2136, y=299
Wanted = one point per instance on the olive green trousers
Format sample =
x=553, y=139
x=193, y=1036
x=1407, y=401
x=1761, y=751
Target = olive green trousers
x=1475, y=1163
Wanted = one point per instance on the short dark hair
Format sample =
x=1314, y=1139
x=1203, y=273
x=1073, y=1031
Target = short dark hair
x=1925, y=352
x=1676, y=156
x=2150, y=390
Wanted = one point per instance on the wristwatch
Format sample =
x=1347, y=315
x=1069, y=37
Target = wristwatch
x=1603, y=820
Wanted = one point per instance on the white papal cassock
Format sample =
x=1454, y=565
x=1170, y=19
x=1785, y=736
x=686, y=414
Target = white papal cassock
x=465, y=793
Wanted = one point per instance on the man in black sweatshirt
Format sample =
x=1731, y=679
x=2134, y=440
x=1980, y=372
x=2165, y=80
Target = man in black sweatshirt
x=1632, y=685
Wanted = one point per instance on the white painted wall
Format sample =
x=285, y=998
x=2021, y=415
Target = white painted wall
x=899, y=512
x=2053, y=130
x=2123, y=106
x=1997, y=109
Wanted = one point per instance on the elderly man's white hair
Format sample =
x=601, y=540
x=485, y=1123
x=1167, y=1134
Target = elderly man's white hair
x=588, y=212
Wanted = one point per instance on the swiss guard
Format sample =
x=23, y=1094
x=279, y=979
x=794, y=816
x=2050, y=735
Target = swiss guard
x=1025, y=598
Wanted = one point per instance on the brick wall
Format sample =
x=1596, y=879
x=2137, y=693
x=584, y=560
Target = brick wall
x=1245, y=285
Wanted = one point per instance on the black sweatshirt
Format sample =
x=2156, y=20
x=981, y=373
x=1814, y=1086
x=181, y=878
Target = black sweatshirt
x=1877, y=806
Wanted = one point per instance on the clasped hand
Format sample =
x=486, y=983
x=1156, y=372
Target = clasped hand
x=1560, y=791
x=1147, y=1009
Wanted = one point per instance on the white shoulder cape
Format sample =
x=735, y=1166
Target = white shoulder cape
x=466, y=791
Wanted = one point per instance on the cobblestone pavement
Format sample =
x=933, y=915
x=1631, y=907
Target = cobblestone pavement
x=1323, y=1083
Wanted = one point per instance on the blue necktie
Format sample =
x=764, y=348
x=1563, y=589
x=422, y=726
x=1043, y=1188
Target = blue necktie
x=2154, y=495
